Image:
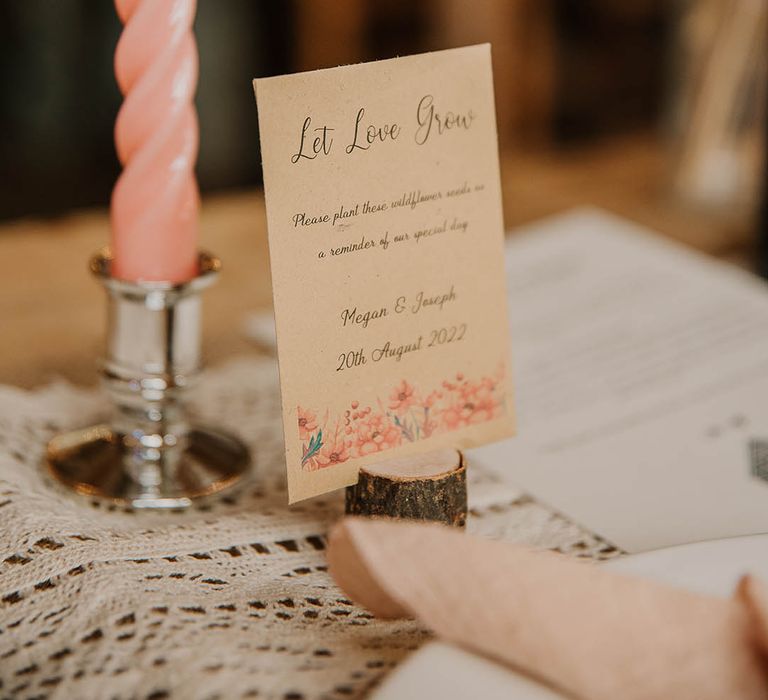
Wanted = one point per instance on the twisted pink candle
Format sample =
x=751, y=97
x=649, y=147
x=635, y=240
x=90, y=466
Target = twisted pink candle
x=155, y=201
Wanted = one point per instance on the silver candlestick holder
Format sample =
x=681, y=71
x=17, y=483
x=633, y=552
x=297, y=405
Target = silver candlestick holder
x=149, y=455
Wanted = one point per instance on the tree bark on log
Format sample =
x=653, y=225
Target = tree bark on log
x=431, y=486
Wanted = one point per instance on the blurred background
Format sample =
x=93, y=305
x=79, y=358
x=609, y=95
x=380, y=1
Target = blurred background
x=653, y=109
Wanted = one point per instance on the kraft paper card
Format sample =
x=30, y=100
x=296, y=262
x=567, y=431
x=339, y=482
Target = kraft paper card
x=386, y=246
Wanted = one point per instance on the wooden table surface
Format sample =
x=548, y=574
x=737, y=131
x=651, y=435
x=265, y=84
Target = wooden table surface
x=52, y=311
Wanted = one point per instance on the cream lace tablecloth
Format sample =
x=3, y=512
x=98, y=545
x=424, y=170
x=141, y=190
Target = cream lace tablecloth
x=230, y=600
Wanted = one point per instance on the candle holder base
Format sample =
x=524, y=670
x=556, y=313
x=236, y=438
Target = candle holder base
x=150, y=454
x=99, y=462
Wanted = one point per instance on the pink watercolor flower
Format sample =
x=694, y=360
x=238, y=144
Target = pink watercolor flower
x=375, y=434
x=307, y=423
x=472, y=405
x=402, y=398
x=488, y=383
x=429, y=428
x=485, y=404
x=332, y=454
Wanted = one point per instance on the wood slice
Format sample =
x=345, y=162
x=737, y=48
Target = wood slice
x=431, y=486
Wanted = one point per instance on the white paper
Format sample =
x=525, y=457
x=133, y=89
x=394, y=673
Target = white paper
x=642, y=375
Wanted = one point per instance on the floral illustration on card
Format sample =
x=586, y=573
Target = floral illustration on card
x=404, y=414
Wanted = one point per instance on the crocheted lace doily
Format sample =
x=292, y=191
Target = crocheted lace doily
x=229, y=600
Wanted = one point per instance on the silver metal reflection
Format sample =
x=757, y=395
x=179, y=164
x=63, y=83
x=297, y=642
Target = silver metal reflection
x=149, y=455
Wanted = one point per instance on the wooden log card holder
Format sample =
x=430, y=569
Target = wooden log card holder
x=429, y=486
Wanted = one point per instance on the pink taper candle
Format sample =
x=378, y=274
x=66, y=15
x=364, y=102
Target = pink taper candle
x=155, y=201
